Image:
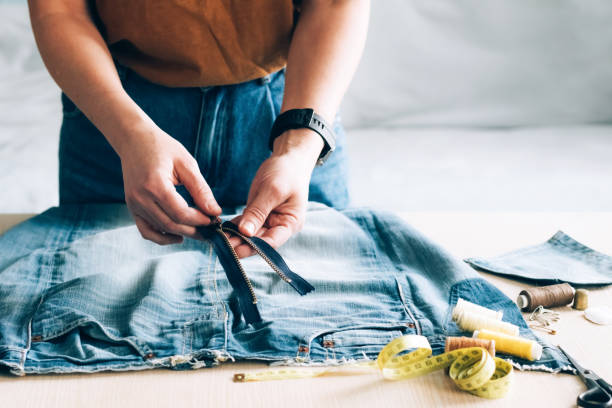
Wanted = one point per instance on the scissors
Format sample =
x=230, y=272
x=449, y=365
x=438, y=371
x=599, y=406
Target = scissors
x=599, y=393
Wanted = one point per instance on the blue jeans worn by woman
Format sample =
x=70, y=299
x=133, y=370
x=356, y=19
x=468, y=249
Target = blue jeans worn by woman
x=226, y=129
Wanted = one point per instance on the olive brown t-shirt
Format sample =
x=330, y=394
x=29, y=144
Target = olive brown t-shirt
x=182, y=43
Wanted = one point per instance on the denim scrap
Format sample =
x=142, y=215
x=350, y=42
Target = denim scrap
x=560, y=259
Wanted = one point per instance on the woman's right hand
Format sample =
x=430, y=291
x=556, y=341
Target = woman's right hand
x=79, y=60
x=153, y=163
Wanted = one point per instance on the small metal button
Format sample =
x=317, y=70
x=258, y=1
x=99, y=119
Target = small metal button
x=264, y=80
x=303, y=349
x=149, y=355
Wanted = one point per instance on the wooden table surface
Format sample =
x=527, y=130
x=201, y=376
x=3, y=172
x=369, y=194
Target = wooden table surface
x=463, y=234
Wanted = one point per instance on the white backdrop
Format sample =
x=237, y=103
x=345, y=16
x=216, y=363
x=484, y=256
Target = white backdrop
x=457, y=105
x=485, y=63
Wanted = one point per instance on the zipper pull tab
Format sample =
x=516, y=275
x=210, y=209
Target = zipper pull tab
x=207, y=231
x=215, y=222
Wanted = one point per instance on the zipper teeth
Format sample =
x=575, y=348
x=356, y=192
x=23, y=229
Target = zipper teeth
x=263, y=255
x=242, y=271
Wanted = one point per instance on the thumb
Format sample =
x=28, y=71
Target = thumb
x=256, y=213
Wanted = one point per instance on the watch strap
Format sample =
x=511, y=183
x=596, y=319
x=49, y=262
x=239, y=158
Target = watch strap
x=305, y=118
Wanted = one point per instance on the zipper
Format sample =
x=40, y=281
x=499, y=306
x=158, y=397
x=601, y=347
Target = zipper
x=236, y=274
x=242, y=271
x=260, y=252
x=273, y=258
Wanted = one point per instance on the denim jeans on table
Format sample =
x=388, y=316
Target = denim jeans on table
x=226, y=129
x=81, y=291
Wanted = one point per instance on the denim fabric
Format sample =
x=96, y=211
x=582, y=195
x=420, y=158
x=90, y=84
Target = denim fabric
x=226, y=129
x=81, y=291
x=560, y=259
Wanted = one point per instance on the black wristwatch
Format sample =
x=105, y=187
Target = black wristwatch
x=305, y=118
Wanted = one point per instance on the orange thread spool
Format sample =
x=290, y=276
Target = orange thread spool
x=454, y=343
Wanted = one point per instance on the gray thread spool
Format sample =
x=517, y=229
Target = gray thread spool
x=547, y=296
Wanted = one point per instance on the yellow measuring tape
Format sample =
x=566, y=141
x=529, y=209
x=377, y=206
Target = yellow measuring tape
x=472, y=369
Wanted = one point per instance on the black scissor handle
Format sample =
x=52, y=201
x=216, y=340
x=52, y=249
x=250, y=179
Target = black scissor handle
x=595, y=397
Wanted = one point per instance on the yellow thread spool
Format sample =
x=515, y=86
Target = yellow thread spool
x=514, y=345
x=581, y=299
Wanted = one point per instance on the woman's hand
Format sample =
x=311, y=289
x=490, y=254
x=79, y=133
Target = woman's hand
x=334, y=31
x=276, y=206
x=152, y=165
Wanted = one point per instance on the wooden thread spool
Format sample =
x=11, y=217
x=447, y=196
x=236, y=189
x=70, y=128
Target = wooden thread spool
x=454, y=343
x=581, y=299
x=547, y=296
x=464, y=305
x=470, y=321
x=513, y=345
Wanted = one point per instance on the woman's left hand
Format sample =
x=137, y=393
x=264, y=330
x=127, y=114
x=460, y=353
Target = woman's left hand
x=276, y=205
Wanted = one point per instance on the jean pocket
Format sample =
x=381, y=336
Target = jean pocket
x=84, y=341
x=354, y=342
x=482, y=293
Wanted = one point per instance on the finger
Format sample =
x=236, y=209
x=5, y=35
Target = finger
x=148, y=232
x=257, y=211
x=244, y=251
x=177, y=209
x=166, y=224
x=235, y=241
x=277, y=236
x=190, y=176
x=147, y=209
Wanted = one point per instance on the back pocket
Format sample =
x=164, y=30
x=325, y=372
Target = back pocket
x=84, y=341
x=354, y=342
x=480, y=292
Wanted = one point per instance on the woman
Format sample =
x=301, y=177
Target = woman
x=185, y=92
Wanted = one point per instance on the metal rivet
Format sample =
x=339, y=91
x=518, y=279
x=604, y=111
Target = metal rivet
x=149, y=355
x=328, y=343
x=303, y=349
x=411, y=325
x=36, y=338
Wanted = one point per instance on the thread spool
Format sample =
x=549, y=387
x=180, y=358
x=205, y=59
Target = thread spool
x=547, y=296
x=581, y=299
x=463, y=305
x=513, y=345
x=454, y=343
x=469, y=321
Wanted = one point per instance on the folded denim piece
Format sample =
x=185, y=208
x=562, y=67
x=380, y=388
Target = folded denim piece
x=81, y=291
x=560, y=259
